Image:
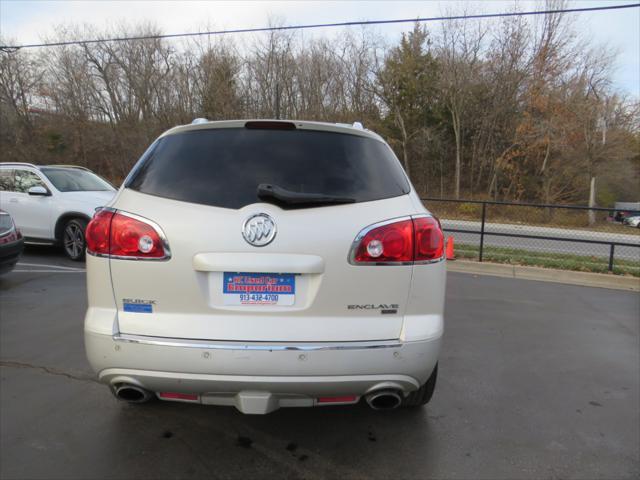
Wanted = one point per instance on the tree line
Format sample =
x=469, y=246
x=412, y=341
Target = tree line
x=505, y=110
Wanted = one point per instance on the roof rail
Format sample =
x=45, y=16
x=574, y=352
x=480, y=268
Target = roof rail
x=79, y=167
x=21, y=164
x=197, y=121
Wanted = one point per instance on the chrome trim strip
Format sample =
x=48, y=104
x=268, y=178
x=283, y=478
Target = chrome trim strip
x=428, y=262
x=254, y=346
x=43, y=243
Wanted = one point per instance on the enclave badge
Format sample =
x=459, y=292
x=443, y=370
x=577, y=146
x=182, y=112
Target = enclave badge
x=259, y=230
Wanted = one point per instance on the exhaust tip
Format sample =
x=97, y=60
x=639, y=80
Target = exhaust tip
x=384, y=400
x=132, y=394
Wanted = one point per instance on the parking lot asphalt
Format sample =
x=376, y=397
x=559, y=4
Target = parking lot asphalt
x=537, y=380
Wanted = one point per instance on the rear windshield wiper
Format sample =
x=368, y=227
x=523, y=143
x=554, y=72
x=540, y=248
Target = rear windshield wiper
x=266, y=191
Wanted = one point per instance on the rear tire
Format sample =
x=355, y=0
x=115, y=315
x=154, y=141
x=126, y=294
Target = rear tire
x=73, y=240
x=422, y=396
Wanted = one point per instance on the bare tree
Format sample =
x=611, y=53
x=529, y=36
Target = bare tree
x=507, y=108
x=459, y=51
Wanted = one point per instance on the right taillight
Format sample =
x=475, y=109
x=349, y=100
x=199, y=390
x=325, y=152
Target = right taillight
x=428, y=238
x=399, y=242
x=125, y=236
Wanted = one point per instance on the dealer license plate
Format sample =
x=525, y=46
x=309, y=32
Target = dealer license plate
x=259, y=288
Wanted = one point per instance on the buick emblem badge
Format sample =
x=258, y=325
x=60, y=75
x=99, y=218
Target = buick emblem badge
x=259, y=230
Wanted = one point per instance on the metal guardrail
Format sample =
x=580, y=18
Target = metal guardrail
x=483, y=232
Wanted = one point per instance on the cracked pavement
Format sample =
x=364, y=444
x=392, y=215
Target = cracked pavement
x=538, y=380
x=50, y=371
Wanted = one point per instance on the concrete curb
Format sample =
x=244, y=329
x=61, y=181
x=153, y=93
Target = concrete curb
x=600, y=280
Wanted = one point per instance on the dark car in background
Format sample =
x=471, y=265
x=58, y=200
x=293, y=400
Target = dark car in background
x=11, y=243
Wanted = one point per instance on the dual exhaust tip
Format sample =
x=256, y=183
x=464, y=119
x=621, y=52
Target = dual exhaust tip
x=378, y=400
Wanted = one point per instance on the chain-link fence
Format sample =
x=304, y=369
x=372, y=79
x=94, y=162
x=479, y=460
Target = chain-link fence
x=553, y=236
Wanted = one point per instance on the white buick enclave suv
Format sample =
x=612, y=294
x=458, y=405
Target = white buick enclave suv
x=266, y=264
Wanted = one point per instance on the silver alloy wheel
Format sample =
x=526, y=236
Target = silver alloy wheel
x=73, y=240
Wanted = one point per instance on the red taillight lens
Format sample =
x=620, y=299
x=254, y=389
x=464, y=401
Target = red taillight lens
x=413, y=240
x=131, y=237
x=97, y=233
x=429, y=239
x=120, y=235
x=387, y=243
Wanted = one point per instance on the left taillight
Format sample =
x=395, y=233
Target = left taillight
x=97, y=233
x=125, y=236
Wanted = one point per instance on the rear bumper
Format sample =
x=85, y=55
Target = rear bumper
x=258, y=378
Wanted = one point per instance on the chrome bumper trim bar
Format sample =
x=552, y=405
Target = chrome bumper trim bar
x=260, y=346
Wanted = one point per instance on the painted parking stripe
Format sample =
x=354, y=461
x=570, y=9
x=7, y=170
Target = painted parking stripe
x=48, y=271
x=61, y=267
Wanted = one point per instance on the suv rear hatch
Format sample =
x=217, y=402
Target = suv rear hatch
x=201, y=186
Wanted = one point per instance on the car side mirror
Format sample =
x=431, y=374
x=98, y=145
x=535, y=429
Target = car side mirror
x=38, y=190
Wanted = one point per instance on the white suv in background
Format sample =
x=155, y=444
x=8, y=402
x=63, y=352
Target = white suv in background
x=53, y=204
x=266, y=264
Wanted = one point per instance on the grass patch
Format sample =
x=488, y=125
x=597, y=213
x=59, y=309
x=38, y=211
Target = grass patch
x=561, y=261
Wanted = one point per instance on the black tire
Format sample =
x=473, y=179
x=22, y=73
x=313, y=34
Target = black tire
x=73, y=241
x=422, y=396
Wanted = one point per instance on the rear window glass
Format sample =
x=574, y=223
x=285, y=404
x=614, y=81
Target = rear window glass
x=75, y=180
x=223, y=167
x=7, y=182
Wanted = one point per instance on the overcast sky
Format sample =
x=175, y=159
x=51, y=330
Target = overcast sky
x=26, y=21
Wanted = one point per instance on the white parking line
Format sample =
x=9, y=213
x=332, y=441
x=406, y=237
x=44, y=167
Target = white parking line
x=48, y=271
x=61, y=267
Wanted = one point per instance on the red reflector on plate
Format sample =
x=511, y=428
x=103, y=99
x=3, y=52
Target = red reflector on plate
x=343, y=399
x=178, y=396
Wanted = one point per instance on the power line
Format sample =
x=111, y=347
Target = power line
x=12, y=48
